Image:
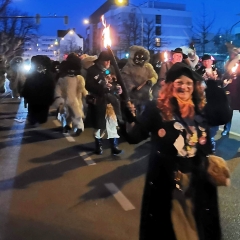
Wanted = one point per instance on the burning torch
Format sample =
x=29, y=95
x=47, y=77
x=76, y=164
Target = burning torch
x=107, y=44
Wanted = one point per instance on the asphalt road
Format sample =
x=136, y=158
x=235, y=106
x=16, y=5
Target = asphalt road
x=53, y=187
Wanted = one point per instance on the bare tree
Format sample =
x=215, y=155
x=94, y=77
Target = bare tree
x=130, y=31
x=202, y=28
x=3, y=5
x=149, y=34
x=14, y=32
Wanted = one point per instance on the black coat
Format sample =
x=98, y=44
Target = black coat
x=39, y=89
x=96, y=86
x=157, y=197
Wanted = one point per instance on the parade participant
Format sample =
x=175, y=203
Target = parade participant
x=179, y=194
x=232, y=81
x=86, y=62
x=38, y=90
x=102, y=103
x=16, y=76
x=71, y=88
x=177, y=56
x=139, y=76
x=208, y=71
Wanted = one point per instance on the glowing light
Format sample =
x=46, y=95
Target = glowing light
x=165, y=56
x=234, y=69
x=26, y=67
x=106, y=33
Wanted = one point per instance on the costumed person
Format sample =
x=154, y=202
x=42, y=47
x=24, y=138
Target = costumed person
x=193, y=58
x=103, y=104
x=208, y=71
x=3, y=62
x=71, y=90
x=177, y=55
x=86, y=62
x=232, y=84
x=38, y=90
x=139, y=76
x=180, y=196
x=16, y=76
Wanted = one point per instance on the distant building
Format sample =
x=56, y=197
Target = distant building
x=165, y=26
x=55, y=47
x=69, y=41
x=41, y=45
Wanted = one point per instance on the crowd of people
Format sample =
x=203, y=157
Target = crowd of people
x=178, y=104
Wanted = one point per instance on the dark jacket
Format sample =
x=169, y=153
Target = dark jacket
x=96, y=86
x=39, y=89
x=157, y=197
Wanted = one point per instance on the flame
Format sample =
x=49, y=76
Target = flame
x=235, y=68
x=165, y=56
x=106, y=33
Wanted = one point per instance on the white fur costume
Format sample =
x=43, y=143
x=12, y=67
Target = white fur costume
x=72, y=90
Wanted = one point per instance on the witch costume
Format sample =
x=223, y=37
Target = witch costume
x=180, y=146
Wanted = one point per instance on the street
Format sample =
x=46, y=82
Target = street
x=53, y=187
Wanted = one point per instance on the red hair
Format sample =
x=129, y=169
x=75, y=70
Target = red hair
x=166, y=106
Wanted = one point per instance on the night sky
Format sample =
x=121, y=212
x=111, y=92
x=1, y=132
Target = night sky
x=77, y=10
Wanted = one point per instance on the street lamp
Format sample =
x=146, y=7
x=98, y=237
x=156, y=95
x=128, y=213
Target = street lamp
x=86, y=21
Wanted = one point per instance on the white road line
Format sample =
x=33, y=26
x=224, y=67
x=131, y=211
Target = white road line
x=118, y=195
x=69, y=138
x=57, y=123
x=87, y=159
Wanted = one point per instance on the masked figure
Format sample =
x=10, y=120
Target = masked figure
x=139, y=75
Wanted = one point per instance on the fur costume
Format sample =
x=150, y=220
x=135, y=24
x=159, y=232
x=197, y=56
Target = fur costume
x=2, y=73
x=86, y=62
x=139, y=75
x=71, y=89
x=16, y=76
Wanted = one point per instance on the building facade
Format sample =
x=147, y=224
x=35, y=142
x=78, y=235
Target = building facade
x=156, y=25
x=55, y=47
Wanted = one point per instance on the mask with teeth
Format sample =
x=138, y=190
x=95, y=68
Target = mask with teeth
x=139, y=58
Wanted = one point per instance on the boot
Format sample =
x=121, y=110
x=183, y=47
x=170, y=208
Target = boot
x=114, y=146
x=227, y=128
x=98, y=146
x=213, y=142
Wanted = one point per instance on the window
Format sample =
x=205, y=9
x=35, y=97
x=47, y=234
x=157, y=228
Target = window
x=158, y=31
x=158, y=19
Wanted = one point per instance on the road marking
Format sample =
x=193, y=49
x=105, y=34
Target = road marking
x=88, y=160
x=69, y=138
x=118, y=195
x=57, y=123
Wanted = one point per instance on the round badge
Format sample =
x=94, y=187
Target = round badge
x=202, y=140
x=178, y=126
x=161, y=132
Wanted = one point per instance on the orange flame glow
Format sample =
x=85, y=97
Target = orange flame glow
x=106, y=33
x=235, y=68
x=165, y=56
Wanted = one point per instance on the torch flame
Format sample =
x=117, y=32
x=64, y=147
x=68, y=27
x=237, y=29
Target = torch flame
x=106, y=33
x=235, y=68
x=165, y=56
